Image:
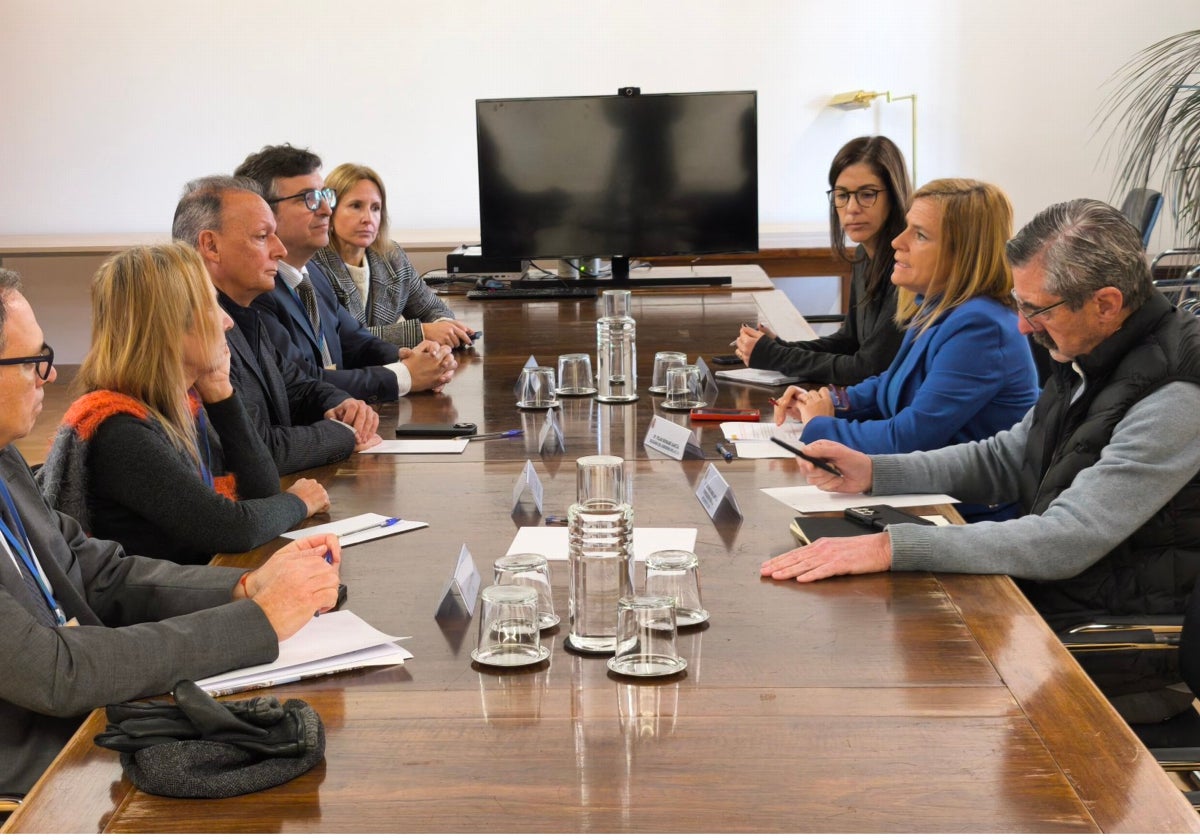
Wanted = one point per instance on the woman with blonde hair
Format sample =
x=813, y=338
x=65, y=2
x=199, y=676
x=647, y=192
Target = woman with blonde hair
x=963, y=371
x=158, y=453
x=372, y=276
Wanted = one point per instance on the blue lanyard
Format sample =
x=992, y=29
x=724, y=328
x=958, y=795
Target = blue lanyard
x=23, y=549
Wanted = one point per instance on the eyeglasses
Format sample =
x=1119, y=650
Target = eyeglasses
x=1029, y=314
x=312, y=198
x=42, y=362
x=865, y=196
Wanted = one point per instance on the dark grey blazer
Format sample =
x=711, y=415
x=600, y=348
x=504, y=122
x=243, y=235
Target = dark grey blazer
x=144, y=625
x=286, y=406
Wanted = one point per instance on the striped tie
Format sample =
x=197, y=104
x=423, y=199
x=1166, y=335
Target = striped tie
x=308, y=297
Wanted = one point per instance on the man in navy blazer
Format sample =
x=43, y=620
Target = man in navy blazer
x=337, y=349
x=306, y=422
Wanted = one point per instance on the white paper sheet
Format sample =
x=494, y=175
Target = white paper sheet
x=342, y=527
x=761, y=431
x=433, y=446
x=551, y=542
x=808, y=499
x=760, y=449
x=335, y=641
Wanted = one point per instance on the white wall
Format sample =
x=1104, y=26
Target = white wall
x=109, y=107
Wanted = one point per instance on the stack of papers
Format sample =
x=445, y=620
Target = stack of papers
x=753, y=440
x=333, y=642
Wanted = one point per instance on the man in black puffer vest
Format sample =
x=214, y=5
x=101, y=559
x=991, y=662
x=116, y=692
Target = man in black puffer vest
x=1105, y=465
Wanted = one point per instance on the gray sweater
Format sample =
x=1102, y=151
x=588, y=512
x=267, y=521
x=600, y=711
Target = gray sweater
x=1152, y=454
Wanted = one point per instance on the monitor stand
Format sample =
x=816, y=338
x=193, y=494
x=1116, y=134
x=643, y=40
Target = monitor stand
x=621, y=278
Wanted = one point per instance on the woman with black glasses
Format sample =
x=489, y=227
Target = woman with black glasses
x=868, y=194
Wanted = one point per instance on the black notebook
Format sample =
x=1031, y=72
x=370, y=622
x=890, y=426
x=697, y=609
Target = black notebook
x=809, y=529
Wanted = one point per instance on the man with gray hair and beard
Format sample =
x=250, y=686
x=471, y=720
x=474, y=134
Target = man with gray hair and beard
x=1104, y=466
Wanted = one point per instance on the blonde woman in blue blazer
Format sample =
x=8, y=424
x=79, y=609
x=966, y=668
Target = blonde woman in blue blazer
x=963, y=371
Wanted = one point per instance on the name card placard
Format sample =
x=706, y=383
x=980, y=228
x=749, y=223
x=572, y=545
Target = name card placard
x=462, y=590
x=708, y=382
x=550, y=438
x=714, y=491
x=531, y=481
x=671, y=439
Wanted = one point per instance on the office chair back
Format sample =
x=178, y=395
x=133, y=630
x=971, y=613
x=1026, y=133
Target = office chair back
x=1141, y=206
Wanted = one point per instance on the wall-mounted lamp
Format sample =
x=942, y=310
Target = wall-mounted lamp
x=856, y=99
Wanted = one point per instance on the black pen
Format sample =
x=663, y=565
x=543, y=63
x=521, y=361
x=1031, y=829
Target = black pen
x=725, y=453
x=820, y=463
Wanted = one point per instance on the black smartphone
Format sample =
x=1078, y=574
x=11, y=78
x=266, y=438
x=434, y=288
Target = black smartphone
x=820, y=463
x=880, y=516
x=435, y=430
x=730, y=359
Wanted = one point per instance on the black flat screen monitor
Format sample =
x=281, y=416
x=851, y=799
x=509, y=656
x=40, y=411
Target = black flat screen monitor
x=618, y=176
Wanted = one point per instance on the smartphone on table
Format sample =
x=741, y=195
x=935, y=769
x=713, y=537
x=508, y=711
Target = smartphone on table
x=435, y=430
x=879, y=517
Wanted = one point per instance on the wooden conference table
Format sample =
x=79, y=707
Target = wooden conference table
x=906, y=702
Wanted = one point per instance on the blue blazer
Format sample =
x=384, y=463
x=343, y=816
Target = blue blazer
x=967, y=377
x=356, y=354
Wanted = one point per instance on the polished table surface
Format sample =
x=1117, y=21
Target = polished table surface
x=906, y=702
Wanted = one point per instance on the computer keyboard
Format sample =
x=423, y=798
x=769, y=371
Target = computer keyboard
x=556, y=293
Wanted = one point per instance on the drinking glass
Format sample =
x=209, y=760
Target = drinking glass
x=575, y=375
x=508, y=628
x=535, y=388
x=664, y=360
x=530, y=570
x=684, y=389
x=645, y=645
x=675, y=574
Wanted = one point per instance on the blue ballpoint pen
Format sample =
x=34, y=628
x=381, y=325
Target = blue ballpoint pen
x=490, y=435
x=724, y=451
x=384, y=524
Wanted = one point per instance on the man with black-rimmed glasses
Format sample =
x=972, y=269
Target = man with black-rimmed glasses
x=325, y=339
x=84, y=625
x=1105, y=466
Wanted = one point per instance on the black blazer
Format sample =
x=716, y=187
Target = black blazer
x=286, y=405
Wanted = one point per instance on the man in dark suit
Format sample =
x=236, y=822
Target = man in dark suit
x=306, y=422
x=325, y=339
x=82, y=624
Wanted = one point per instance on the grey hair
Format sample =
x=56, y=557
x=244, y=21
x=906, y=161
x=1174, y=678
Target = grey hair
x=10, y=282
x=1085, y=245
x=199, y=208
